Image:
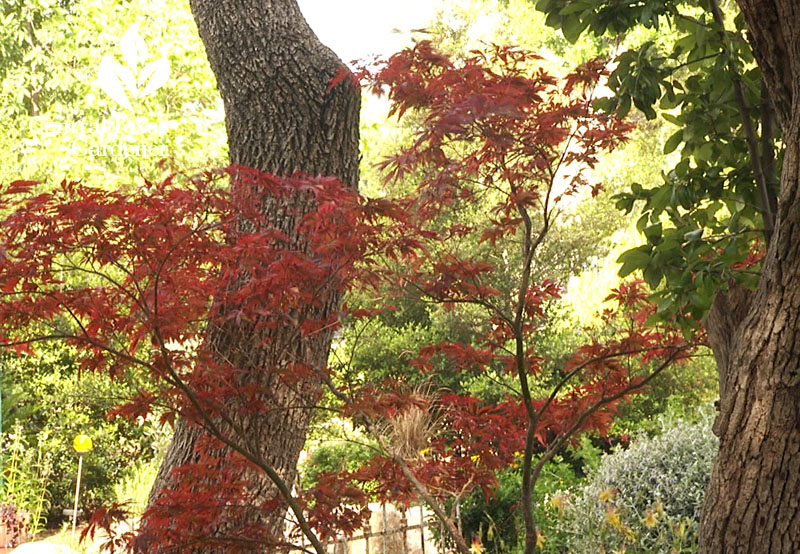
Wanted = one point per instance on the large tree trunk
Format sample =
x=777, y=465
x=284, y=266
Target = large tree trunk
x=273, y=75
x=752, y=504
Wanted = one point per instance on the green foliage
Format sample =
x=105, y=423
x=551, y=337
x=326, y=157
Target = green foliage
x=53, y=403
x=647, y=498
x=684, y=391
x=134, y=488
x=464, y=25
x=26, y=471
x=496, y=521
x=52, y=110
x=677, y=60
x=334, y=457
x=56, y=117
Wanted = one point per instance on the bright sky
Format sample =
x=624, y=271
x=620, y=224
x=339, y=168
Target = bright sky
x=359, y=28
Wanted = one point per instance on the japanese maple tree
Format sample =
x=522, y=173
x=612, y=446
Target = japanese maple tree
x=498, y=135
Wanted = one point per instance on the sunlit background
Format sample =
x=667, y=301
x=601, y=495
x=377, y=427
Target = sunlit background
x=359, y=28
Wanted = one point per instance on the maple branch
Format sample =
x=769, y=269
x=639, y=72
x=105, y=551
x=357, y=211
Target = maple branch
x=356, y=344
x=574, y=371
x=83, y=338
x=250, y=454
x=527, y=491
x=556, y=445
x=479, y=301
x=169, y=252
x=91, y=271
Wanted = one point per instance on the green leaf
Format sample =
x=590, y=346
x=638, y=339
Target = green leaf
x=652, y=276
x=670, y=100
x=673, y=142
x=624, y=202
x=574, y=7
x=672, y=119
x=604, y=104
x=664, y=305
x=633, y=259
x=642, y=223
x=704, y=153
x=693, y=236
x=653, y=233
x=624, y=105
x=572, y=27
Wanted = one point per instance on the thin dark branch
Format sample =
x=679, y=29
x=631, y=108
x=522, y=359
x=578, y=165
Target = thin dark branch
x=767, y=213
x=556, y=445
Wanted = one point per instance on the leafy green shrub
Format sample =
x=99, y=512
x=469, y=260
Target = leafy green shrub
x=646, y=498
x=26, y=473
x=334, y=457
x=493, y=521
x=134, y=488
x=496, y=522
x=44, y=396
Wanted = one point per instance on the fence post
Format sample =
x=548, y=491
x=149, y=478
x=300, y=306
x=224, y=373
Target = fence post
x=422, y=527
x=404, y=525
x=383, y=526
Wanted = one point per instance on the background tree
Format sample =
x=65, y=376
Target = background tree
x=273, y=75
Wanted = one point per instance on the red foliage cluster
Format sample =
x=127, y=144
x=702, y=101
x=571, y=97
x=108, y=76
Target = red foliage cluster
x=135, y=278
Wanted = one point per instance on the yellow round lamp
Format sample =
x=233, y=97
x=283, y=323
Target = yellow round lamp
x=82, y=444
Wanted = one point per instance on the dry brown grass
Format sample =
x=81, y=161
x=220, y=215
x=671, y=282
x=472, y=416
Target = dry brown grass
x=408, y=432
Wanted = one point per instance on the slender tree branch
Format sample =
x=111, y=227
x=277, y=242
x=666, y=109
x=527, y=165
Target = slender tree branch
x=559, y=442
x=251, y=455
x=768, y=148
x=767, y=213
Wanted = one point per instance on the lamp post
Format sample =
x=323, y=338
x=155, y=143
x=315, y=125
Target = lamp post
x=82, y=444
x=1, y=413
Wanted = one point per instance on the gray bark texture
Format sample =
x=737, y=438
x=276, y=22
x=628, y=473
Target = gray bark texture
x=273, y=75
x=752, y=505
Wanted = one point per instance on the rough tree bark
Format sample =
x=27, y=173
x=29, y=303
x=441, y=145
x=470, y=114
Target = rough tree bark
x=753, y=500
x=273, y=75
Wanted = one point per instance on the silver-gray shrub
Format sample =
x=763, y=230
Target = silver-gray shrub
x=646, y=498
